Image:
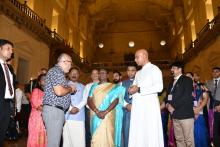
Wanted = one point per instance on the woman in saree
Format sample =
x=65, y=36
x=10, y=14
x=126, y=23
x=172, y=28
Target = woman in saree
x=106, y=101
x=200, y=101
x=36, y=129
x=200, y=97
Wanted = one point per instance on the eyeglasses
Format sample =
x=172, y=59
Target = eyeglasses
x=132, y=70
x=102, y=73
x=67, y=61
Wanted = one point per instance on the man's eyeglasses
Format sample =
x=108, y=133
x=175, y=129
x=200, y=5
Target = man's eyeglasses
x=67, y=61
x=102, y=73
x=132, y=70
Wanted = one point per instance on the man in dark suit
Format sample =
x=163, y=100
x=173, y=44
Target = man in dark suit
x=214, y=88
x=179, y=103
x=6, y=87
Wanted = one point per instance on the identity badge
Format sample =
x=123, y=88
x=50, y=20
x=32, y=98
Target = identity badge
x=170, y=97
x=195, y=103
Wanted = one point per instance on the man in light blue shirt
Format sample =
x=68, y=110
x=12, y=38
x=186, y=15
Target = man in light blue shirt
x=74, y=128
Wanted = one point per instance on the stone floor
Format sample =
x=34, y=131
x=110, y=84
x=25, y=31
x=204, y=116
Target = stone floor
x=21, y=142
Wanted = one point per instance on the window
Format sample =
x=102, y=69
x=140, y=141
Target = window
x=209, y=10
x=182, y=43
x=71, y=37
x=193, y=30
x=81, y=49
x=174, y=31
x=54, y=25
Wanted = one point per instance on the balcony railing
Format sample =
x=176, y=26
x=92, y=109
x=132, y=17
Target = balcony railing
x=28, y=19
x=209, y=32
x=29, y=12
x=163, y=64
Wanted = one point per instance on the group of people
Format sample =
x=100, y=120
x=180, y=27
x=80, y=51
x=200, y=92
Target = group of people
x=118, y=114
x=112, y=109
x=193, y=107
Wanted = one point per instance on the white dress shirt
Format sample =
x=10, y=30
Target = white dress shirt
x=216, y=79
x=18, y=97
x=24, y=99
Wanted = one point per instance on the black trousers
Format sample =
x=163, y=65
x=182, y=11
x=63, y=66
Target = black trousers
x=5, y=112
x=216, y=129
x=25, y=113
x=87, y=127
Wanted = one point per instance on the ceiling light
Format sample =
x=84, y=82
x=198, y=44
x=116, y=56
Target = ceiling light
x=131, y=44
x=101, y=45
x=163, y=42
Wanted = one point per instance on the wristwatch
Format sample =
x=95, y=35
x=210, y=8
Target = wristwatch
x=139, y=90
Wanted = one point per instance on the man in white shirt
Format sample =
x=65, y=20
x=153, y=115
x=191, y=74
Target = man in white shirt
x=19, y=94
x=95, y=79
x=18, y=97
x=146, y=126
x=6, y=87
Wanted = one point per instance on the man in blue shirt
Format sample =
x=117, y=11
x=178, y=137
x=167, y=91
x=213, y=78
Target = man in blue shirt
x=131, y=71
x=74, y=128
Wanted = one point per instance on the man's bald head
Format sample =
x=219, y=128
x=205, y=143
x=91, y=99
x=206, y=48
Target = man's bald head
x=63, y=56
x=141, y=57
x=142, y=51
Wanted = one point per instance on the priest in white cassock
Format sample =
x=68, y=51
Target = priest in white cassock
x=146, y=126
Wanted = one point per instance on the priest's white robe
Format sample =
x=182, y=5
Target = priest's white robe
x=146, y=125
